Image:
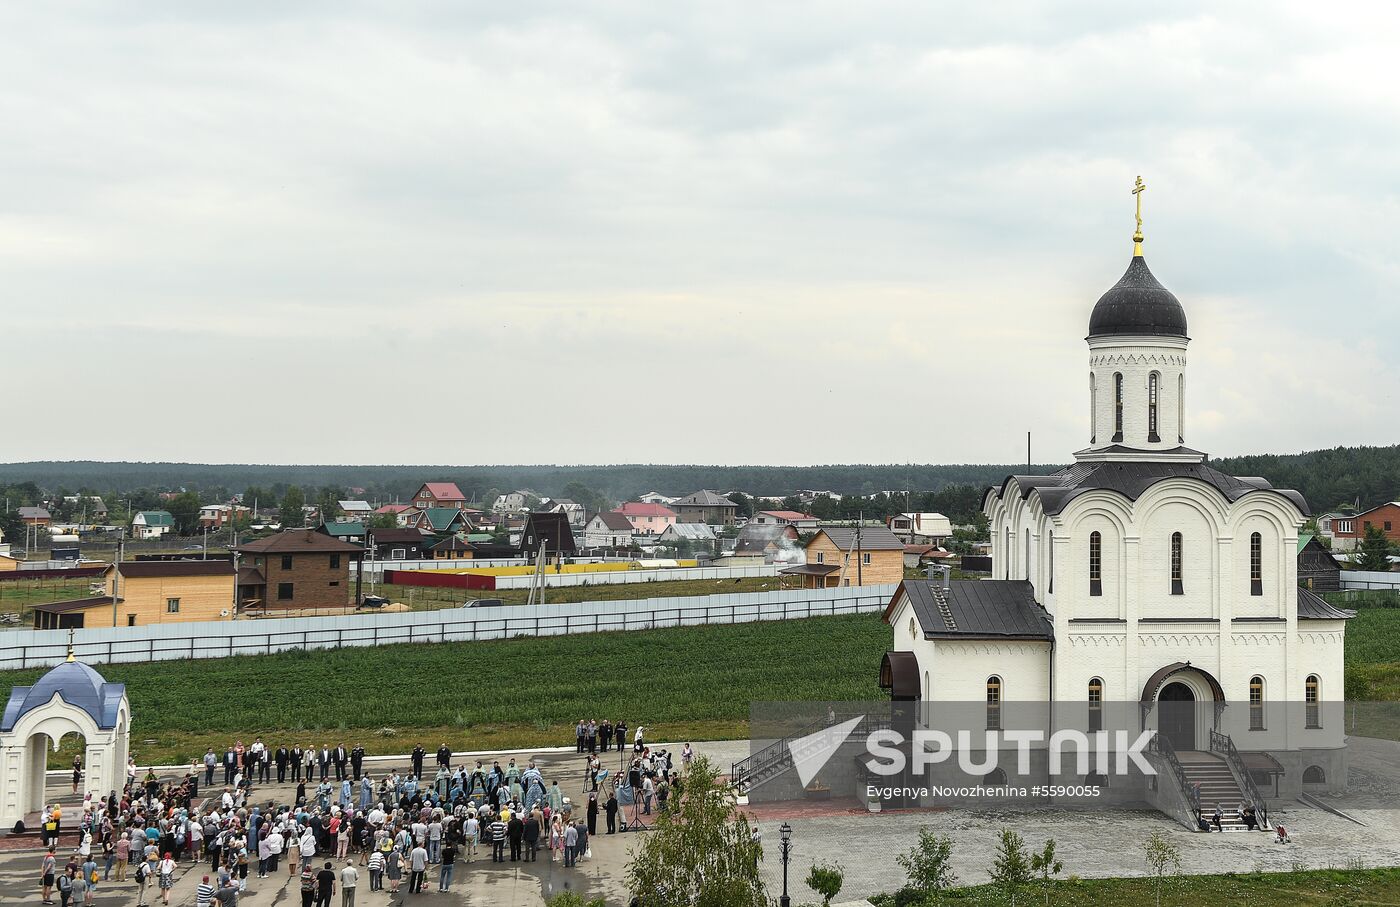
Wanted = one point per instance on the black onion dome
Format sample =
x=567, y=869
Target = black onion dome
x=1138, y=304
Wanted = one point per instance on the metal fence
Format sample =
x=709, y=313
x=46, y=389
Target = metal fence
x=168, y=642
x=1370, y=579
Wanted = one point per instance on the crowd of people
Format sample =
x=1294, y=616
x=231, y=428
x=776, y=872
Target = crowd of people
x=341, y=820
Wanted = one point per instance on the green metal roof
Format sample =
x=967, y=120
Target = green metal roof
x=342, y=528
x=479, y=536
x=157, y=517
x=1303, y=539
x=441, y=519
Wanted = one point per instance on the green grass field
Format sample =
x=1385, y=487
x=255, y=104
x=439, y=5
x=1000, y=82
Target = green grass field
x=692, y=682
x=1313, y=888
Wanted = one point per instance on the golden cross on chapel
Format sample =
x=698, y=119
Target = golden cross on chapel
x=71, y=656
x=1138, y=188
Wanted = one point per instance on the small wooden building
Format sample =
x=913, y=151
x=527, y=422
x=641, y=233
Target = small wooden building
x=1318, y=570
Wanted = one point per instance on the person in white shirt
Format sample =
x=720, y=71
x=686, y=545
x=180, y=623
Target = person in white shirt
x=349, y=878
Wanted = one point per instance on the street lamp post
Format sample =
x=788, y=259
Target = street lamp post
x=785, y=848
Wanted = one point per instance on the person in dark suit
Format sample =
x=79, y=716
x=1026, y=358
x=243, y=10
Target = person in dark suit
x=605, y=733
x=357, y=760
x=264, y=766
x=281, y=760
x=515, y=832
x=620, y=733
x=611, y=809
x=531, y=831
x=340, y=756
x=230, y=765
x=418, y=754
x=323, y=761
x=593, y=813
x=444, y=756
x=296, y=757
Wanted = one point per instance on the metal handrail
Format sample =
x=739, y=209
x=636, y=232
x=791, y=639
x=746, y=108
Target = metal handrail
x=741, y=772
x=1225, y=745
x=1163, y=747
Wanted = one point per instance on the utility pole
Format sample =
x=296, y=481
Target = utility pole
x=117, y=574
x=860, y=574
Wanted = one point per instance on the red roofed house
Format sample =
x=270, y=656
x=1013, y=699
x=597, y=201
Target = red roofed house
x=647, y=519
x=440, y=494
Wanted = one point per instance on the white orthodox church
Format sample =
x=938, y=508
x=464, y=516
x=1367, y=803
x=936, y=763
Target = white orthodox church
x=1141, y=579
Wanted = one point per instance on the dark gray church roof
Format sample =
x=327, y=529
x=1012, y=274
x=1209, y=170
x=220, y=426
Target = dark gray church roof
x=979, y=609
x=1312, y=606
x=1138, y=304
x=78, y=685
x=1132, y=479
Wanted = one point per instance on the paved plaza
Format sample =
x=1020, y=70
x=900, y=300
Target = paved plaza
x=1091, y=844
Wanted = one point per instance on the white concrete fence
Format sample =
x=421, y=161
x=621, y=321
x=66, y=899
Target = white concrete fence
x=219, y=639
x=1370, y=579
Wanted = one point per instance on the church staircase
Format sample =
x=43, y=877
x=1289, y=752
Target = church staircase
x=1211, y=775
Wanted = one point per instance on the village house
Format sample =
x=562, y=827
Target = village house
x=700, y=536
x=705, y=506
x=655, y=497
x=35, y=516
x=1348, y=531
x=345, y=530
x=397, y=544
x=217, y=516
x=850, y=556
x=513, y=501
x=769, y=543
x=921, y=528
x=452, y=548
x=1318, y=570
x=647, y=519
x=356, y=510
x=578, y=516
x=607, y=530
x=152, y=524
x=439, y=494
x=296, y=568
x=398, y=511
x=438, y=520
x=797, y=519
x=140, y=593
x=550, y=530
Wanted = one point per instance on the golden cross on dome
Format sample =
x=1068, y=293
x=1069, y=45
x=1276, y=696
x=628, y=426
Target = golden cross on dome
x=71, y=656
x=1139, y=187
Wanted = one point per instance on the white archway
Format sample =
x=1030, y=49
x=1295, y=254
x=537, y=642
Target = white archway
x=70, y=699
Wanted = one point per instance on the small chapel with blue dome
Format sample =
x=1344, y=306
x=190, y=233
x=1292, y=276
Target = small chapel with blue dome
x=72, y=698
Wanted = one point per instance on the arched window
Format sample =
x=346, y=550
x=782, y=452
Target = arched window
x=1256, y=703
x=1176, y=563
x=1006, y=549
x=1050, y=564
x=1152, y=407
x=1314, y=774
x=995, y=778
x=928, y=688
x=994, y=703
x=1311, y=705
x=1256, y=564
x=1096, y=704
x=1117, y=406
x=912, y=631
x=1093, y=410
x=1181, y=409
x=1027, y=565
x=1095, y=563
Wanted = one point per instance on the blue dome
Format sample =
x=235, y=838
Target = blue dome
x=78, y=685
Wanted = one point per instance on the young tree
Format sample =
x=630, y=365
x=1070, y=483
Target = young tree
x=825, y=879
x=1012, y=868
x=701, y=851
x=574, y=899
x=382, y=521
x=1046, y=865
x=290, y=514
x=185, y=509
x=1374, y=551
x=929, y=865
x=1161, y=856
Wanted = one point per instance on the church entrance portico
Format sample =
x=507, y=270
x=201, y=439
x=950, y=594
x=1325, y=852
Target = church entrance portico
x=1183, y=703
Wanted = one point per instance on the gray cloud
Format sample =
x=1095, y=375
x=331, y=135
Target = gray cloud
x=758, y=213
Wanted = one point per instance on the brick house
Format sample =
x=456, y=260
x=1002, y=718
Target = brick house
x=296, y=568
x=705, y=506
x=1348, y=531
x=647, y=519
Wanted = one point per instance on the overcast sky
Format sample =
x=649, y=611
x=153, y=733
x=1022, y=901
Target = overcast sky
x=674, y=232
